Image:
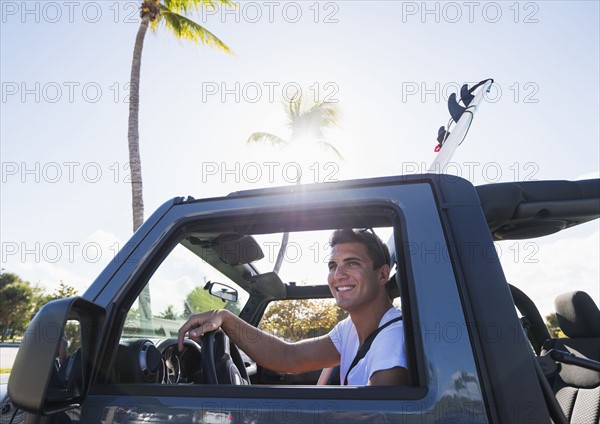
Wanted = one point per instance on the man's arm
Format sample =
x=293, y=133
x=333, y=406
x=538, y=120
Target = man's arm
x=264, y=348
x=396, y=376
x=324, y=377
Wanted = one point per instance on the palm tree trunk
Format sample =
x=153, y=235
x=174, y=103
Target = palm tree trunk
x=281, y=254
x=135, y=163
x=284, y=242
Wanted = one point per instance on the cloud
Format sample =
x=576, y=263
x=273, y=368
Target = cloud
x=589, y=175
x=76, y=263
x=546, y=267
x=105, y=238
x=49, y=275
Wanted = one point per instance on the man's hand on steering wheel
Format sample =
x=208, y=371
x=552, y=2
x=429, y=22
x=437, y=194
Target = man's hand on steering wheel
x=221, y=360
x=198, y=324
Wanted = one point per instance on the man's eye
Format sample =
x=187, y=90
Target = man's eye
x=331, y=267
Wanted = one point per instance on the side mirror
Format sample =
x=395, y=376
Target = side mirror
x=222, y=291
x=52, y=370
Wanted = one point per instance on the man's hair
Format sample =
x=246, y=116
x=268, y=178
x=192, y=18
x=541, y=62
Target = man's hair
x=376, y=249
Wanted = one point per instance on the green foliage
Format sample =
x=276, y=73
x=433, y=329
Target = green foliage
x=199, y=300
x=40, y=297
x=187, y=29
x=64, y=290
x=8, y=278
x=19, y=302
x=168, y=313
x=15, y=306
x=171, y=14
x=72, y=333
x=134, y=314
x=264, y=137
x=132, y=327
x=295, y=320
x=234, y=307
x=553, y=327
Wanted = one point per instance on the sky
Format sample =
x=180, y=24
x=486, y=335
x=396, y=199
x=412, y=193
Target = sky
x=389, y=65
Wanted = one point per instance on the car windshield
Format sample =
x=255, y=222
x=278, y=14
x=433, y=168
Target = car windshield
x=176, y=290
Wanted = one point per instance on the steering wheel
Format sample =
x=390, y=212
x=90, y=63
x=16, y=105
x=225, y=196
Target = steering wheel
x=222, y=362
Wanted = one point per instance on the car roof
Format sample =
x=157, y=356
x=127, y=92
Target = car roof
x=523, y=210
x=518, y=210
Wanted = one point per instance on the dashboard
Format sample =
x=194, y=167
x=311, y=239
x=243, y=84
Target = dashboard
x=161, y=362
x=143, y=361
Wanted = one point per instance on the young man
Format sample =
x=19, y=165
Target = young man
x=359, y=269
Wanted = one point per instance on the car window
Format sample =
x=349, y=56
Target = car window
x=174, y=292
x=295, y=320
x=306, y=255
x=293, y=303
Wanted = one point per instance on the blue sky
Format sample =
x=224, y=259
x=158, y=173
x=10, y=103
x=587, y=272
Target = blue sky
x=389, y=65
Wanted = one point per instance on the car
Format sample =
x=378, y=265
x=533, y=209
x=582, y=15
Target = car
x=475, y=344
x=215, y=417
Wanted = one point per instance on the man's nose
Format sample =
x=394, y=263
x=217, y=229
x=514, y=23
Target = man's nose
x=340, y=273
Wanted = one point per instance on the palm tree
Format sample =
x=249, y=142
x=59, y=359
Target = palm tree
x=169, y=313
x=154, y=14
x=307, y=125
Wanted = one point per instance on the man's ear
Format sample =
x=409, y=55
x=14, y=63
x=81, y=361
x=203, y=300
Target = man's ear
x=383, y=274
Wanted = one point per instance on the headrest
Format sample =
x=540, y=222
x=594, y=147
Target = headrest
x=578, y=316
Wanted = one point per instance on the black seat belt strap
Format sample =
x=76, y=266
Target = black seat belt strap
x=364, y=348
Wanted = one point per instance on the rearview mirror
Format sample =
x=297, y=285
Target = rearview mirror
x=53, y=367
x=222, y=291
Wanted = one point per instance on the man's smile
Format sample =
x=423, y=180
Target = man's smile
x=344, y=288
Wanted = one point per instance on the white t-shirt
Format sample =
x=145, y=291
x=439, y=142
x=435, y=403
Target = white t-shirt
x=387, y=350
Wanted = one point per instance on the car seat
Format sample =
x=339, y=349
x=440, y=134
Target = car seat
x=576, y=388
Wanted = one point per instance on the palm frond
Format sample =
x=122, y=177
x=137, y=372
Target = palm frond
x=264, y=137
x=329, y=114
x=307, y=125
x=328, y=146
x=294, y=106
x=187, y=29
x=186, y=6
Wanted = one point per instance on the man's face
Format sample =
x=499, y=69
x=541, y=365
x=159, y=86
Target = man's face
x=352, y=280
